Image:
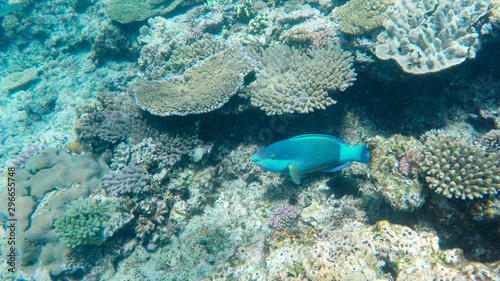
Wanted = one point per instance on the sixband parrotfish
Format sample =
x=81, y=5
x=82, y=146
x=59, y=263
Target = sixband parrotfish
x=309, y=153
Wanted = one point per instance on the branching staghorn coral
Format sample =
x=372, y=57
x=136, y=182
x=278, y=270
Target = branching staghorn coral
x=455, y=167
x=117, y=118
x=203, y=88
x=293, y=81
x=129, y=179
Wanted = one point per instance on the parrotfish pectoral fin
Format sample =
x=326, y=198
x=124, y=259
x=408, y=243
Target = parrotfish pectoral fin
x=295, y=174
x=338, y=168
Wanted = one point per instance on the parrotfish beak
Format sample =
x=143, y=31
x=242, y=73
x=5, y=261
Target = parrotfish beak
x=257, y=161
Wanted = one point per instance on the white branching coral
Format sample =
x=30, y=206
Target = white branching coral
x=294, y=81
x=431, y=35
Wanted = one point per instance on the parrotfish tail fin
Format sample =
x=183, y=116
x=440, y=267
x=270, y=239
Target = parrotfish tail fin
x=365, y=154
x=295, y=174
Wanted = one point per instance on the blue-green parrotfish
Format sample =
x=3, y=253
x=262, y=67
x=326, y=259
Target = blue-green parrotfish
x=7, y=8
x=309, y=153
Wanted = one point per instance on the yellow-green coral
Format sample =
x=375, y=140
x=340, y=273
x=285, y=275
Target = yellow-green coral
x=455, y=167
x=83, y=223
x=401, y=192
x=297, y=36
x=494, y=12
x=258, y=23
x=244, y=12
x=360, y=16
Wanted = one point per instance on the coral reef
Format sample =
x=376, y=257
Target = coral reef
x=203, y=88
x=491, y=141
x=83, y=223
x=133, y=10
x=129, y=179
x=456, y=168
x=172, y=45
x=49, y=181
x=361, y=16
x=17, y=80
x=185, y=57
x=19, y=160
x=112, y=120
x=400, y=191
x=283, y=216
x=412, y=255
x=293, y=81
x=410, y=163
x=137, y=196
x=428, y=36
x=117, y=118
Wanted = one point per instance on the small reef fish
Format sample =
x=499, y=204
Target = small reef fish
x=7, y=8
x=309, y=153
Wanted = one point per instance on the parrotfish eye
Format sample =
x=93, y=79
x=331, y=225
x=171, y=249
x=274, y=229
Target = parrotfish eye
x=273, y=156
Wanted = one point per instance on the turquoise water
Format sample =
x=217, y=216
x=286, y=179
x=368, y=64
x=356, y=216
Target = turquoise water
x=128, y=130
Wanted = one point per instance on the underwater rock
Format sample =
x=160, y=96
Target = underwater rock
x=402, y=192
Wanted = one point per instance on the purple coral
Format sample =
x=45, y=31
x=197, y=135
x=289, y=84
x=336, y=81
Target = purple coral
x=19, y=160
x=409, y=164
x=130, y=179
x=284, y=215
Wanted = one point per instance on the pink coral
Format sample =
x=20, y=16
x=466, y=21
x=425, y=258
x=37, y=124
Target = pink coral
x=409, y=164
x=19, y=160
x=283, y=216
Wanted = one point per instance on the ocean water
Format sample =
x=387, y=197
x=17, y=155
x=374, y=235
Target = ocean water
x=138, y=140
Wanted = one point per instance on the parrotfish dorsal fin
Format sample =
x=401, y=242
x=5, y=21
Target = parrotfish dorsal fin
x=295, y=174
x=338, y=168
x=321, y=136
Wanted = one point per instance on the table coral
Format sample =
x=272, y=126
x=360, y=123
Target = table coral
x=203, y=88
x=134, y=10
x=295, y=81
